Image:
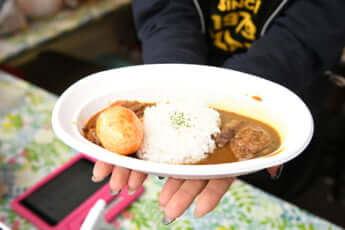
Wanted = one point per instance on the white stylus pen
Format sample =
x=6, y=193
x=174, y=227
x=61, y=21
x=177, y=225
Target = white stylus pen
x=93, y=216
x=4, y=227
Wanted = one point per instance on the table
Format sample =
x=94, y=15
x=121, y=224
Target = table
x=41, y=31
x=29, y=150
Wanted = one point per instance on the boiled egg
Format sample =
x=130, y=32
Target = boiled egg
x=119, y=130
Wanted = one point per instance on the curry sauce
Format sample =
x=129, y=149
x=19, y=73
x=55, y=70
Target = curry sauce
x=241, y=138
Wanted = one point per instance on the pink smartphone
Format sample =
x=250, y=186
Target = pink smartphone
x=63, y=199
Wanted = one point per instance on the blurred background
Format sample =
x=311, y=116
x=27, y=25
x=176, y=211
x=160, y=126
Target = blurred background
x=54, y=43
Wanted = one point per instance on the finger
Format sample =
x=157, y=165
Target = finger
x=100, y=171
x=136, y=179
x=211, y=195
x=169, y=189
x=183, y=198
x=275, y=171
x=119, y=179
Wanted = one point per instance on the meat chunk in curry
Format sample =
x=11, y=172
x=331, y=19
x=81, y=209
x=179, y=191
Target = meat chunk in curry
x=249, y=142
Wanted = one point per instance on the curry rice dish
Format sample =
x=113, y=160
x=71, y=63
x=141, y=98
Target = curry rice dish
x=236, y=138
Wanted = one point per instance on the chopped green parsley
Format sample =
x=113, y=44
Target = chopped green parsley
x=180, y=119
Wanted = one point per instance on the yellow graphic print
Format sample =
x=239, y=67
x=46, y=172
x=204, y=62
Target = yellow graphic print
x=217, y=21
x=231, y=5
x=246, y=27
x=231, y=19
x=224, y=5
x=233, y=44
x=234, y=21
x=218, y=41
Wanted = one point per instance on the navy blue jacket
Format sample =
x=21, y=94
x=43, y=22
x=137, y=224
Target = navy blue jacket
x=300, y=42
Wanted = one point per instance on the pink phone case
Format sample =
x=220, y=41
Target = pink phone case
x=75, y=219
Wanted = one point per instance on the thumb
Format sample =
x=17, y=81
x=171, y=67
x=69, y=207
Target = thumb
x=275, y=171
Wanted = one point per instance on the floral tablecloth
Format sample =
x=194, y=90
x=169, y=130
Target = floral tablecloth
x=45, y=29
x=29, y=150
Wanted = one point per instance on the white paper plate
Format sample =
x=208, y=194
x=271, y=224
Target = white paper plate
x=228, y=89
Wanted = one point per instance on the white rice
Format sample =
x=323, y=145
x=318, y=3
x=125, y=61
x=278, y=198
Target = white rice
x=179, y=132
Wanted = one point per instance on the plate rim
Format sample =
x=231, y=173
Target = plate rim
x=197, y=171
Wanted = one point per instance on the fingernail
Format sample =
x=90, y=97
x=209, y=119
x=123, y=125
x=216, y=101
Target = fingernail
x=160, y=177
x=131, y=191
x=278, y=173
x=95, y=179
x=167, y=221
x=197, y=215
x=114, y=193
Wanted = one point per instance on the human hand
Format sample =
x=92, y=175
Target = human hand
x=177, y=194
x=120, y=177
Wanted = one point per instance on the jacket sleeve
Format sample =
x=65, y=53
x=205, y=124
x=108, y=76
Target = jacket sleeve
x=305, y=40
x=170, y=31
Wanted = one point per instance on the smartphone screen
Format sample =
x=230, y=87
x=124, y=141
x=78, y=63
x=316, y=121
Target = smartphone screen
x=64, y=193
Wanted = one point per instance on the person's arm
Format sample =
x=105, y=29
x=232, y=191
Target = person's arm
x=170, y=31
x=304, y=41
